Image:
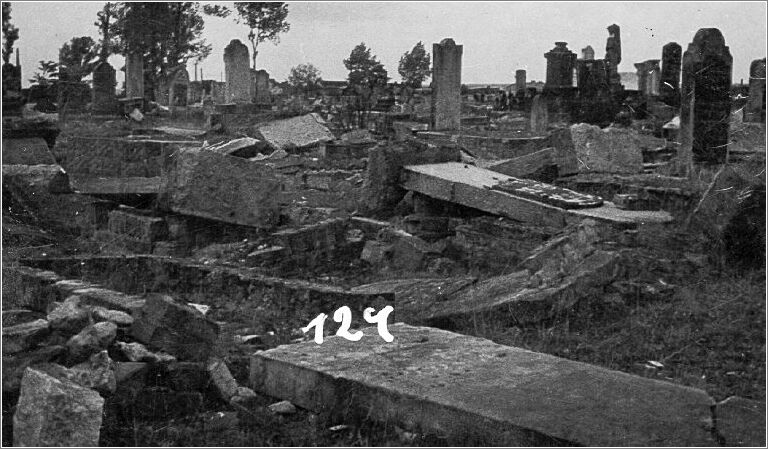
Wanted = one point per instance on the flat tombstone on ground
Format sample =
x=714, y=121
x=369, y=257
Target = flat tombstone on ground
x=261, y=87
x=237, y=72
x=755, y=109
x=104, y=100
x=446, y=85
x=669, y=85
x=706, y=102
x=539, y=115
x=134, y=76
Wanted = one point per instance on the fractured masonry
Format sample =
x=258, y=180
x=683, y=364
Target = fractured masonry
x=706, y=103
x=446, y=85
x=669, y=86
x=755, y=109
x=237, y=73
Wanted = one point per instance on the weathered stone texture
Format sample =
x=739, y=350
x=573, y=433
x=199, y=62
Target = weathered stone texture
x=446, y=85
x=612, y=150
x=237, y=72
x=671, y=60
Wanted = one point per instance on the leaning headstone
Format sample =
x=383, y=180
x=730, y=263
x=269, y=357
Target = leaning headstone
x=134, y=76
x=669, y=87
x=539, y=115
x=237, y=73
x=446, y=85
x=261, y=87
x=706, y=102
x=755, y=109
x=103, y=99
x=56, y=412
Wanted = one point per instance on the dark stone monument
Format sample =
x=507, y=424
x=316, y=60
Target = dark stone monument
x=446, y=85
x=237, y=73
x=520, y=81
x=705, y=99
x=560, y=64
x=669, y=88
x=587, y=53
x=613, y=56
x=12, y=98
x=103, y=99
x=755, y=109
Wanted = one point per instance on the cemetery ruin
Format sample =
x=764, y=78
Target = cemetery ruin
x=244, y=261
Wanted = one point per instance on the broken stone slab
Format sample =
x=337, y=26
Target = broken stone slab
x=205, y=184
x=27, y=151
x=13, y=317
x=56, y=412
x=221, y=379
x=416, y=291
x=23, y=337
x=121, y=319
x=90, y=340
x=14, y=365
x=741, y=422
x=97, y=296
x=68, y=317
x=282, y=408
x=47, y=179
x=28, y=288
x=613, y=150
x=522, y=298
x=97, y=373
x=117, y=187
x=175, y=328
x=137, y=225
x=295, y=133
x=244, y=147
x=136, y=352
x=524, y=166
x=466, y=387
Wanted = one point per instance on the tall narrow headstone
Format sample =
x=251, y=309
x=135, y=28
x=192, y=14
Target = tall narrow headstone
x=652, y=77
x=613, y=55
x=446, y=85
x=237, y=73
x=755, y=109
x=520, y=81
x=539, y=115
x=134, y=75
x=705, y=99
x=103, y=100
x=669, y=86
x=587, y=53
x=560, y=64
x=641, y=77
x=261, y=87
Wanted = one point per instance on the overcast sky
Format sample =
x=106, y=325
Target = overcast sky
x=498, y=37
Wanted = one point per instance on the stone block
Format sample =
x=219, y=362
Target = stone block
x=611, y=150
x=138, y=226
x=24, y=337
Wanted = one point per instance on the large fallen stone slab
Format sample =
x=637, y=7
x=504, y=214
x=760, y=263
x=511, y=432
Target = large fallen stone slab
x=523, y=166
x=116, y=186
x=295, y=133
x=416, y=291
x=205, y=184
x=138, y=225
x=613, y=150
x=245, y=147
x=44, y=178
x=176, y=328
x=27, y=151
x=474, y=187
x=471, y=389
x=56, y=412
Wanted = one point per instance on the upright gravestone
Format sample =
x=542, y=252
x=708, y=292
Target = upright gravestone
x=539, y=115
x=178, y=87
x=755, y=109
x=446, y=85
x=588, y=53
x=560, y=65
x=103, y=100
x=520, y=82
x=642, y=78
x=237, y=72
x=613, y=56
x=134, y=76
x=261, y=87
x=669, y=85
x=652, y=75
x=705, y=96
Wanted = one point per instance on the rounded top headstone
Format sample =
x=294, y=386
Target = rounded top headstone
x=757, y=68
x=448, y=41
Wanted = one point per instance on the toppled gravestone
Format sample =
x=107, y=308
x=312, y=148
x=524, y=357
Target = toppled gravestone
x=296, y=133
x=175, y=328
x=206, y=184
x=56, y=412
x=611, y=150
